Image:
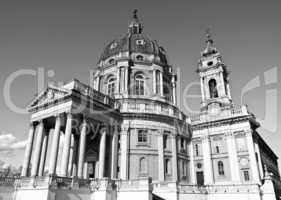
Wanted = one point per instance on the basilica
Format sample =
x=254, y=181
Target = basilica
x=125, y=137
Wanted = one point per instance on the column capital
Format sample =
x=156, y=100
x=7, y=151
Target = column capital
x=229, y=134
x=249, y=133
x=205, y=138
x=124, y=129
x=159, y=132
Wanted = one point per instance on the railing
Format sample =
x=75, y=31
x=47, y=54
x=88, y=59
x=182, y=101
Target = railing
x=222, y=114
x=229, y=188
x=89, y=91
x=150, y=107
x=7, y=181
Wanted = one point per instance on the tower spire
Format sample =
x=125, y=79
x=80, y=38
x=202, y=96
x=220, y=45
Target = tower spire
x=210, y=49
x=135, y=26
x=135, y=16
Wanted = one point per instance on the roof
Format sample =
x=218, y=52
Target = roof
x=135, y=41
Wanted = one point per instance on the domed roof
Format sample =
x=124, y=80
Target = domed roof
x=135, y=41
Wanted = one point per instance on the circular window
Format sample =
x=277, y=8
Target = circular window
x=113, y=45
x=210, y=63
x=111, y=61
x=199, y=165
x=139, y=57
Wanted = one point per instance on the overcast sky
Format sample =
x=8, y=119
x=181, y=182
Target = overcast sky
x=66, y=38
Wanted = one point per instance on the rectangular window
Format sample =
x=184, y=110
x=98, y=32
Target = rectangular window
x=167, y=166
x=165, y=141
x=157, y=82
x=246, y=175
x=142, y=136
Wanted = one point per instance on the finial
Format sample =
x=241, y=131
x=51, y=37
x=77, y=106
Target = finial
x=208, y=35
x=135, y=26
x=135, y=16
x=210, y=49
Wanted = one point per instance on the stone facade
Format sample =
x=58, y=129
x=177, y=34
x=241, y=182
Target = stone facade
x=125, y=137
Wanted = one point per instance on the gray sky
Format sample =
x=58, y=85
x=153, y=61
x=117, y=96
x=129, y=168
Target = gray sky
x=69, y=36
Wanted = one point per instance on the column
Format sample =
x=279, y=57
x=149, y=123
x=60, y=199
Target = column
x=114, y=154
x=228, y=90
x=252, y=156
x=154, y=81
x=124, y=142
x=257, y=148
x=118, y=80
x=66, y=146
x=222, y=84
x=161, y=83
x=55, y=146
x=82, y=147
x=85, y=170
x=102, y=152
x=97, y=169
x=97, y=82
x=192, y=169
x=43, y=154
x=71, y=157
x=75, y=153
x=202, y=89
x=161, y=172
x=28, y=150
x=37, y=152
x=233, y=158
x=208, y=166
x=174, y=158
x=174, y=89
x=126, y=80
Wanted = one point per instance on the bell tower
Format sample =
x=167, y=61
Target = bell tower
x=214, y=78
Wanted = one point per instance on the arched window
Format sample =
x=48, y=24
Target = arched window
x=111, y=86
x=213, y=88
x=111, y=61
x=220, y=168
x=139, y=84
x=143, y=165
x=139, y=57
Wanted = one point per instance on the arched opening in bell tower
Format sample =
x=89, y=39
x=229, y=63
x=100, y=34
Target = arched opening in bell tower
x=213, y=88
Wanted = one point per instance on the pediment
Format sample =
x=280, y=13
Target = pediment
x=49, y=95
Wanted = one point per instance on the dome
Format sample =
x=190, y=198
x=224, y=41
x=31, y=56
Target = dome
x=135, y=41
